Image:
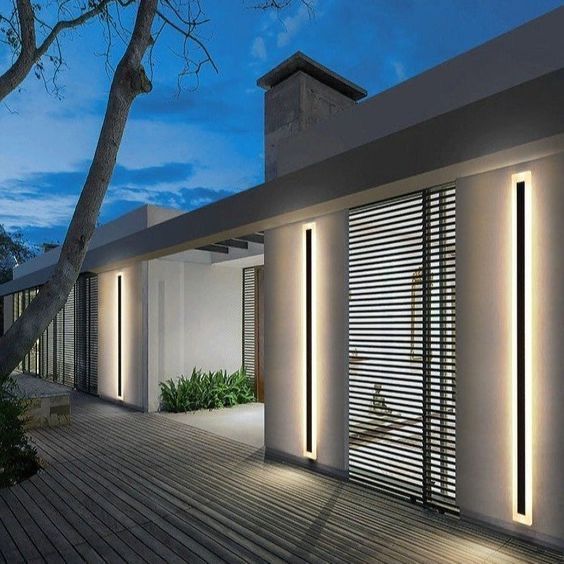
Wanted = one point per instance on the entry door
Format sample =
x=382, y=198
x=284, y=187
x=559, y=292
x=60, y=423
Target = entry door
x=402, y=386
x=253, y=327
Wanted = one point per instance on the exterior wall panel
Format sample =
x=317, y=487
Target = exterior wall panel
x=134, y=346
x=284, y=341
x=194, y=320
x=212, y=317
x=165, y=325
x=484, y=370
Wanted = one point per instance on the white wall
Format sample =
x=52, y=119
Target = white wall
x=212, y=317
x=165, y=325
x=484, y=325
x=134, y=334
x=195, y=320
x=284, y=386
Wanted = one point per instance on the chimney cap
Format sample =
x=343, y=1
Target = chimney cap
x=300, y=62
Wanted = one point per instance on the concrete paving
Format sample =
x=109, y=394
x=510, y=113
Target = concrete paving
x=242, y=423
x=29, y=386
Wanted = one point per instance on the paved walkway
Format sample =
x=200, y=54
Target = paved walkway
x=126, y=486
x=242, y=423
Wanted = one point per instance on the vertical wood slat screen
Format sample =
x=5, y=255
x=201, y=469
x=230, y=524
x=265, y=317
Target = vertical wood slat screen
x=67, y=351
x=402, y=388
x=250, y=322
x=86, y=334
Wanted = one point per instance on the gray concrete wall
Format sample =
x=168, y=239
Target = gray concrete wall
x=294, y=105
x=134, y=334
x=284, y=341
x=484, y=325
x=527, y=52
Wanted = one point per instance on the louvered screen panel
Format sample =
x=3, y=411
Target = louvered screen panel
x=439, y=333
x=59, y=346
x=50, y=344
x=67, y=341
x=402, y=346
x=249, y=322
x=67, y=351
x=86, y=334
x=92, y=336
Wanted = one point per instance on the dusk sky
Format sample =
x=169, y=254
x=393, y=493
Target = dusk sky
x=187, y=151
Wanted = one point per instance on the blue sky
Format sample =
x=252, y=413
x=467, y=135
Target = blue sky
x=186, y=151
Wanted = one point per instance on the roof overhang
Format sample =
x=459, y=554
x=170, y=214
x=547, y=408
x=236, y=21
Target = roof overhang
x=523, y=114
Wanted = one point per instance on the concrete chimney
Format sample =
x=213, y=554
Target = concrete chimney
x=300, y=93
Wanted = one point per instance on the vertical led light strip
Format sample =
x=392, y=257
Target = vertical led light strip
x=119, y=390
x=522, y=350
x=310, y=339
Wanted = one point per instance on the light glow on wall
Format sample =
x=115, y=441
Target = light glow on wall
x=310, y=338
x=522, y=377
x=119, y=343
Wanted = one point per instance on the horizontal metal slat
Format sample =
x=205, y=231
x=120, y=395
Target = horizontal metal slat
x=402, y=345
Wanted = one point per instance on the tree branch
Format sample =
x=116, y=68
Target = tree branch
x=22, y=65
x=29, y=52
x=188, y=33
x=129, y=81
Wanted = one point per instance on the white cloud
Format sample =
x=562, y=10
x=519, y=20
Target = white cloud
x=34, y=209
x=293, y=24
x=258, y=49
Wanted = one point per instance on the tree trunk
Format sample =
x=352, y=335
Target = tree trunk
x=129, y=81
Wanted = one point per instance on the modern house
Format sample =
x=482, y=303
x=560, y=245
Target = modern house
x=394, y=288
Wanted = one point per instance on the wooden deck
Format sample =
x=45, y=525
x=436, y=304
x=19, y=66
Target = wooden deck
x=126, y=486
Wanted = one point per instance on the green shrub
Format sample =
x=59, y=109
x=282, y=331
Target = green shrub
x=206, y=390
x=18, y=459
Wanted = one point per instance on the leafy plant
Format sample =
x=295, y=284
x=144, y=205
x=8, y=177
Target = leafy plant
x=206, y=390
x=18, y=458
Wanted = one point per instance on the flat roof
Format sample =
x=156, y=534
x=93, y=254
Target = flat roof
x=301, y=62
x=523, y=114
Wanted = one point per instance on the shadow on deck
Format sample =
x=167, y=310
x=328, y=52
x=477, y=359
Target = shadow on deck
x=120, y=485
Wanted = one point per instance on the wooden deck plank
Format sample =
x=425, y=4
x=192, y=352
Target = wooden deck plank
x=108, y=514
x=63, y=546
x=409, y=556
x=8, y=548
x=58, y=518
x=298, y=497
x=44, y=546
x=232, y=493
x=161, y=515
x=122, y=486
x=95, y=471
x=18, y=534
x=244, y=504
x=173, y=495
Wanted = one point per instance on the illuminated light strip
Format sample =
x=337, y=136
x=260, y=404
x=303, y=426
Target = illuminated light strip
x=522, y=350
x=119, y=346
x=310, y=340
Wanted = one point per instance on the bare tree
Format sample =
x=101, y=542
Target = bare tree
x=19, y=30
